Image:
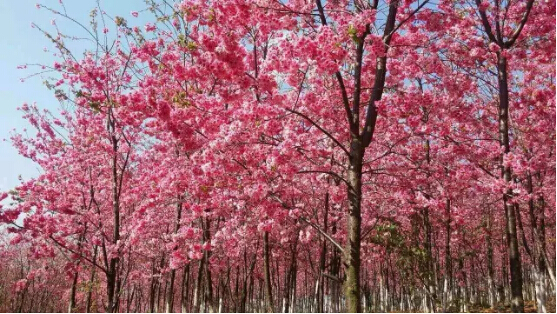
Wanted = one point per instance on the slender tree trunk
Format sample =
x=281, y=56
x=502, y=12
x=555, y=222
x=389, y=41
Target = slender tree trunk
x=517, y=302
x=335, y=271
x=73, y=290
x=153, y=288
x=358, y=143
x=268, y=291
x=448, y=274
x=198, y=286
x=90, y=285
x=71, y=304
x=112, y=272
x=352, y=253
x=185, y=288
x=170, y=295
x=463, y=286
x=158, y=300
x=548, y=266
x=490, y=272
x=117, y=292
x=209, y=298
x=430, y=295
x=248, y=283
x=322, y=260
x=538, y=260
x=293, y=276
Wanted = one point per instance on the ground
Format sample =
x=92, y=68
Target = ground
x=529, y=307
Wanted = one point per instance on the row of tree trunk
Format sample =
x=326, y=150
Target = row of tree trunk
x=437, y=278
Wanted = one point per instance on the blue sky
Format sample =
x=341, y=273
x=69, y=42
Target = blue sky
x=20, y=44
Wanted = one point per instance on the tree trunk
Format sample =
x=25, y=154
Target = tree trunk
x=538, y=260
x=198, y=286
x=185, y=288
x=71, y=304
x=448, y=273
x=463, y=286
x=268, y=291
x=322, y=260
x=352, y=253
x=517, y=302
x=73, y=291
x=112, y=271
x=548, y=266
x=170, y=295
x=90, y=285
x=209, y=299
x=490, y=273
x=430, y=295
x=335, y=271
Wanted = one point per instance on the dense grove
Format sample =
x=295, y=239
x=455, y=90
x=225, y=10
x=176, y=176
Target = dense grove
x=290, y=156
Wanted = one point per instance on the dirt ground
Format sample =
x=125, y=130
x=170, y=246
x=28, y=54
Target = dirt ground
x=529, y=307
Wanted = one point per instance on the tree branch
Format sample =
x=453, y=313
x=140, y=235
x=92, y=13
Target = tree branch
x=338, y=75
x=485, y=22
x=320, y=129
x=523, y=21
x=325, y=172
x=327, y=236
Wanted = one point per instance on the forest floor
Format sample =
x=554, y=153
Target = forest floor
x=529, y=307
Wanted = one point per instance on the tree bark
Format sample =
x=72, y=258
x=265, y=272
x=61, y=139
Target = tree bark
x=448, y=274
x=90, y=285
x=538, y=260
x=198, y=286
x=209, y=299
x=112, y=271
x=71, y=304
x=517, y=302
x=490, y=273
x=322, y=260
x=352, y=253
x=170, y=295
x=267, y=266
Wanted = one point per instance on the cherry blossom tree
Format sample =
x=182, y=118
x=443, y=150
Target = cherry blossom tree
x=294, y=156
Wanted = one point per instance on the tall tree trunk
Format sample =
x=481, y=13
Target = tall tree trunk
x=548, y=266
x=430, y=295
x=322, y=260
x=448, y=273
x=71, y=304
x=198, y=286
x=248, y=281
x=267, y=266
x=517, y=302
x=90, y=284
x=463, y=286
x=490, y=273
x=117, y=292
x=184, y=301
x=335, y=272
x=73, y=290
x=209, y=299
x=112, y=271
x=539, y=263
x=352, y=253
x=153, y=288
x=170, y=295
x=358, y=143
